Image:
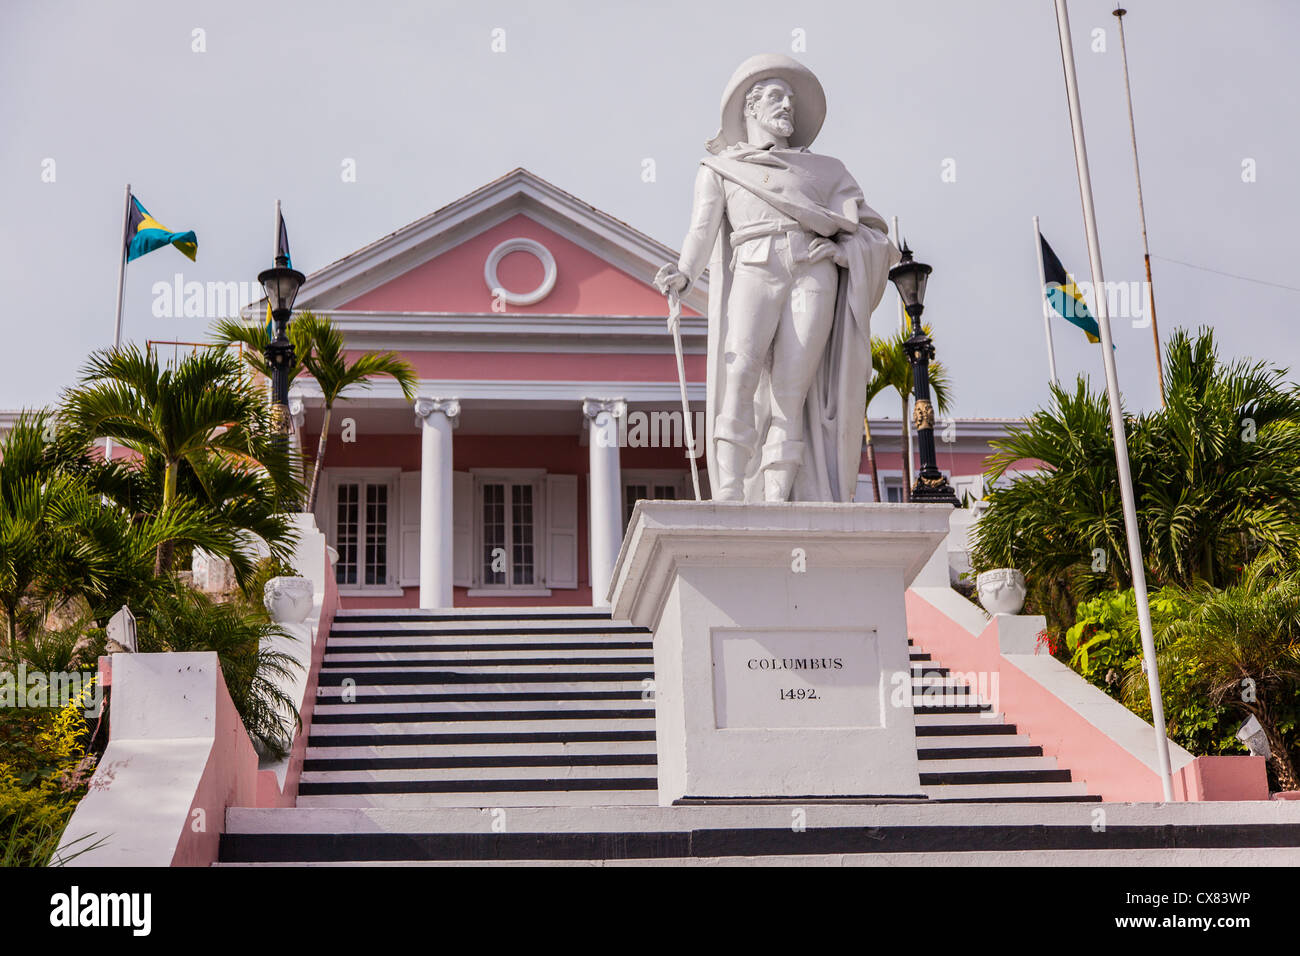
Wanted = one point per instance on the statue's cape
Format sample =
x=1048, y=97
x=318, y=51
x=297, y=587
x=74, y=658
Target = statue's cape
x=811, y=189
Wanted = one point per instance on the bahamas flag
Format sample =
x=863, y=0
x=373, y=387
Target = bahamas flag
x=281, y=252
x=1065, y=296
x=144, y=234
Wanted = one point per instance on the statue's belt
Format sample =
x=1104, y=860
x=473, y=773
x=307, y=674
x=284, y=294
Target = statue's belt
x=760, y=229
x=796, y=236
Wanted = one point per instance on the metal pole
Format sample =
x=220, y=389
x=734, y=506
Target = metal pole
x=121, y=292
x=1142, y=215
x=1112, y=392
x=1047, y=311
x=688, y=429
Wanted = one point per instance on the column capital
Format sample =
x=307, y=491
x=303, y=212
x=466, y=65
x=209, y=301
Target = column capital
x=426, y=407
x=593, y=407
x=297, y=409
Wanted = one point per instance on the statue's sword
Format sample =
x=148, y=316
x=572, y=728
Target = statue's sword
x=674, y=325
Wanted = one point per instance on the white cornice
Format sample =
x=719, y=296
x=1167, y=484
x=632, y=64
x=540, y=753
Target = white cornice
x=503, y=330
x=387, y=393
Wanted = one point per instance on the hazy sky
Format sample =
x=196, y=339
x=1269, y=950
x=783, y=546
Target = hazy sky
x=284, y=93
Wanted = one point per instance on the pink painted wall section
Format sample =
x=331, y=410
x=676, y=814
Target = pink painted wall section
x=1231, y=777
x=550, y=366
x=453, y=282
x=1109, y=770
x=230, y=779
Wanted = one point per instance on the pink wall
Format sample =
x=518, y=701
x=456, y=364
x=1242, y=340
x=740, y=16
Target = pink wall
x=230, y=779
x=551, y=366
x=453, y=282
x=1109, y=770
x=557, y=454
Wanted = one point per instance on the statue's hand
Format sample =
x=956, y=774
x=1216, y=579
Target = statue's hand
x=823, y=248
x=669, y=280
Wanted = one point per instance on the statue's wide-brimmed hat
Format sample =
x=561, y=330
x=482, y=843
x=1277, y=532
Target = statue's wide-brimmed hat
x=809, y=99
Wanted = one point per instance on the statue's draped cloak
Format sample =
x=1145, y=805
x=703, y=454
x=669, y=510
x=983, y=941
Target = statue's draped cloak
x=813, y=190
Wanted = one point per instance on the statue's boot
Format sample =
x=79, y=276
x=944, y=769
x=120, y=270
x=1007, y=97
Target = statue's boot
x=734, y=449
x=780, y=465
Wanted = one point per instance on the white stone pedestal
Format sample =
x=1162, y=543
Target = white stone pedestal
x=780, y=644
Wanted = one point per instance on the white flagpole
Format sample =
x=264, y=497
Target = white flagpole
x=1116, y=416
x=121, y=291
x=1142, y=213
x=905, y=326
x=1047, y=311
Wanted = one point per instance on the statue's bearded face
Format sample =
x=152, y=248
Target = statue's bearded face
x=771, y=104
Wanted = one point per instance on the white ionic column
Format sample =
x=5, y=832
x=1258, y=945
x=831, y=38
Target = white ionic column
x=297, y=418
x=436, y=418
x=604, y=492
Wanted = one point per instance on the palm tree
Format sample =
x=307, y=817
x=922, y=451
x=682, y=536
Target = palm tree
x=1214, y=474
x=253, y=338
x=318, y=347
x=196, y=422
x=892, y=370
x=877, y=384
x=326, y=362
x=60, y=538
x=1242, y=644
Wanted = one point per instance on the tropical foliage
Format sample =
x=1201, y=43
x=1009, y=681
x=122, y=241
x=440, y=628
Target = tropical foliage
x=201, y=432
x=319, y=350
x=81, y=536
x=1214, y=476
x=44, y=770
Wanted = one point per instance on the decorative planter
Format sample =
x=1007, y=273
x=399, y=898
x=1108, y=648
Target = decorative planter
x=1001, y=591
x=288, y=599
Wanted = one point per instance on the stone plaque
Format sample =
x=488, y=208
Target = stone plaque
x=778, y=679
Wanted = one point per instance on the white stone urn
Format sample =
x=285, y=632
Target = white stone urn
x=288, y=599
x=1001, y=591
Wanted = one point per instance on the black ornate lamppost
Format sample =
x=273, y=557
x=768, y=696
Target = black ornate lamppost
x=281, y=284
x=910, y=278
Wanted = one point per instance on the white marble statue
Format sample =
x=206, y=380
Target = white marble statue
x=797, y=262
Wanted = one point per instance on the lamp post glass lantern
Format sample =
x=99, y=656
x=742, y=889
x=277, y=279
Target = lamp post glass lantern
x=281, y=285
x=910, y=278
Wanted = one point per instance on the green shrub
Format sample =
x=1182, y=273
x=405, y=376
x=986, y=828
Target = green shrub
x=44, y=771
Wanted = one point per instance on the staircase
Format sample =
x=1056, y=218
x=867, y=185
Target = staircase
x=526, y=735
x=432, y=726
x=497, y=708
x=541, y=707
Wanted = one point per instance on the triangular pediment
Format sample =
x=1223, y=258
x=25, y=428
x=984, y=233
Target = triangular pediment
x=437, y=264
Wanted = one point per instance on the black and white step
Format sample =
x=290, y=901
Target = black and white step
x=1258, y=833
x=482, y=708
x=540, y=707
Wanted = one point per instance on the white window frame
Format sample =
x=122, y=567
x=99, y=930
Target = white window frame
x=377, y=476
x=519, y=476
x=680, y=480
